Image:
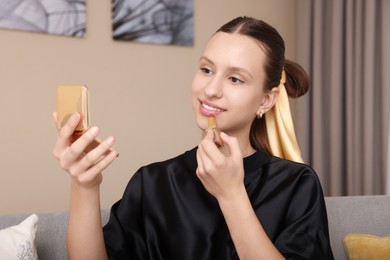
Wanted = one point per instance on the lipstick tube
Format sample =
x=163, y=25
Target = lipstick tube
x=213, y=126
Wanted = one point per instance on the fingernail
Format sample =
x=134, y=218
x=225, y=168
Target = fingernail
x=110, y=140
x=113, y=153
x=94, y=130
x=75, y=116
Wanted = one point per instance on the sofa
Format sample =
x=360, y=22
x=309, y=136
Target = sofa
x=353, y=214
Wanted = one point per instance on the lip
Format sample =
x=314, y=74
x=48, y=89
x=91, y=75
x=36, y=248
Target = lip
x=206, y=112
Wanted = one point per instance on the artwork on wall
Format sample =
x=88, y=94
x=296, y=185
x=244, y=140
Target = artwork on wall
x=153, y=21
x=61, y=17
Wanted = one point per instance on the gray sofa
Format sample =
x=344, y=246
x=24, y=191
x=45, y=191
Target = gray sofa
x=355, y=214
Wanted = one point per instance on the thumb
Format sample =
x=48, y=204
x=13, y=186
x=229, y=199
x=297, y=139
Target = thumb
x=232, y=144
x=209, y=134
x=55, y=118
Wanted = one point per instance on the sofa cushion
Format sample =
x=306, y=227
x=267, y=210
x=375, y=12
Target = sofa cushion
x=356, y=215
x=18, y=241
x=366, y=247
x=51, y=232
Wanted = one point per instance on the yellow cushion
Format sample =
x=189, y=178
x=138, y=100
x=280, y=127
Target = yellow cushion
x=366, y=247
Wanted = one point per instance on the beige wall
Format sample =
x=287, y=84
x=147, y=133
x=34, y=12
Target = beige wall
x=139, y=94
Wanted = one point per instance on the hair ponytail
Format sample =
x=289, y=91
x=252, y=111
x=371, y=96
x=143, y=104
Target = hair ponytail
x=297, y=80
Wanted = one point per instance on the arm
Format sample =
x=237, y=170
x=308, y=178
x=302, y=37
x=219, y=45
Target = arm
x=85, y=235
x=248, y=235
x=223, y=176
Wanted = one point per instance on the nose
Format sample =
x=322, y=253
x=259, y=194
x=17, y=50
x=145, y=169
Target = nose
x=214, y=88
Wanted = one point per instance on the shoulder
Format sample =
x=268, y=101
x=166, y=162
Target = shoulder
x=290, y=167
x=297, y=175
x=299, y=184
x=277, y=165
x=273, y=173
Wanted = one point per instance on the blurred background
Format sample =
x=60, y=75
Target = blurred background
x=140, y=93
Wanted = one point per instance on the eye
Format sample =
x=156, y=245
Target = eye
x=236, y=80
x=206, y=70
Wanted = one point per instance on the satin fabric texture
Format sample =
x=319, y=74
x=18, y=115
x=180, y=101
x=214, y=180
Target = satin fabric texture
x=280, y=128
x=166, y=213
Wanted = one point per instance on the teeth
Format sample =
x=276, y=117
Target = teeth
x=210, y=108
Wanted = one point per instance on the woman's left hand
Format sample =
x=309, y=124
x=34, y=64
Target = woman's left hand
x=221, y=173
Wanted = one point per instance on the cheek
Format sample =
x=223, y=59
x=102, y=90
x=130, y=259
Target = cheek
x=197, y=88
x=247, y=104
x=196, y=84
x=196, y=91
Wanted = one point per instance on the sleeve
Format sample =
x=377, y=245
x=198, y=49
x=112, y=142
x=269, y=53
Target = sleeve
x=305, y=234
x=124, y=232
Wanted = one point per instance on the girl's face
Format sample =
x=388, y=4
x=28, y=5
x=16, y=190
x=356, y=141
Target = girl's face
x=229, y=83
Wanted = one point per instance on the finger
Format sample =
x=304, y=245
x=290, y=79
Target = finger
x=55, y=118
x=209, y=134
x=208, y=139
x=64, y=135
x=202, y=147
x=72, y=123
x=84, y=140
x=232, y=144
x=91, y=158
x=209, y=162
x=209, y=148
x=91, y=173
x=76, y=149
x=200, y=161
x=200, y=171
x=57, y=149
x=217, y=138
x=68, y=129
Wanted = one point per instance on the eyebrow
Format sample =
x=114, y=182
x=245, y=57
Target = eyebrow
x=230, y=68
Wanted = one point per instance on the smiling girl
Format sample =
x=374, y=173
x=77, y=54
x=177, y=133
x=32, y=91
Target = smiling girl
x=247, y=200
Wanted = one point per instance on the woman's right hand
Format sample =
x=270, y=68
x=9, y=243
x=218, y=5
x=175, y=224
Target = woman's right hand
x=76, y=157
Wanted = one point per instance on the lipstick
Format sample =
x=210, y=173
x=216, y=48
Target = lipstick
x=213, y=126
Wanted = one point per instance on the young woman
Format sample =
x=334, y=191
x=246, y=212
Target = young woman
x=238, y=201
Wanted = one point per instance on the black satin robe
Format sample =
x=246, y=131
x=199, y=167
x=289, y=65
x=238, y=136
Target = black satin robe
x=166, y=213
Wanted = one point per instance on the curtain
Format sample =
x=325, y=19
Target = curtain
x=342, y=123
x=388, y=163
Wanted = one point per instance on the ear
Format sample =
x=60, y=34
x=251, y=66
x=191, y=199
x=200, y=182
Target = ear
x=269, y=101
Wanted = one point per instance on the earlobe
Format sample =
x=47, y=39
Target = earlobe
x=259, y=114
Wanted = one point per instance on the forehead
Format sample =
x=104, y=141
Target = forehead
x=232, y=49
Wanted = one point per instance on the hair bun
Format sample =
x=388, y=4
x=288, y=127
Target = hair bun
x=297, y=80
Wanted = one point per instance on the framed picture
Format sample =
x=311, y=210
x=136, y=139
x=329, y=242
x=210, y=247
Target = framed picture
x=153, y=21
x=61, y=17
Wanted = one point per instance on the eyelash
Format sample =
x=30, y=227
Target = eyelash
x=206, y=70
x=234, y=80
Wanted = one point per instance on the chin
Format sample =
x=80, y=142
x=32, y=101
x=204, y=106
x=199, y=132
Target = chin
x=201, y=122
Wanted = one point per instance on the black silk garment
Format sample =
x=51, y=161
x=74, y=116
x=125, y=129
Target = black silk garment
x=166, y=213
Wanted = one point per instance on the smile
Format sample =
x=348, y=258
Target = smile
x=208, y=109
x=211, y=108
